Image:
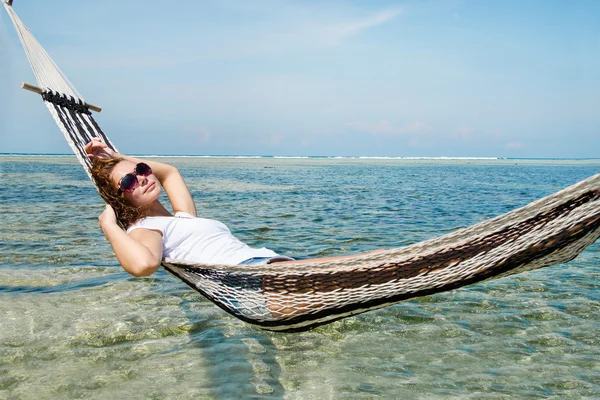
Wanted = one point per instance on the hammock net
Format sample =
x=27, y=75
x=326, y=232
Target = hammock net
x=299, y=296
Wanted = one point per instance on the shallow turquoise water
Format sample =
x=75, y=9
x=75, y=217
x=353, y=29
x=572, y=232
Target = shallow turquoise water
x=73, y=325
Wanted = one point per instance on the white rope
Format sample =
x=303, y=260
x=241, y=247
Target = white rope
x=46, y=72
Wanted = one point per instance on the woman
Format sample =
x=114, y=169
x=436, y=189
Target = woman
x=131, y=187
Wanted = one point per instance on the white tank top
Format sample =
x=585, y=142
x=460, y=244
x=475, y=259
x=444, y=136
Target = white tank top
x=200, y=240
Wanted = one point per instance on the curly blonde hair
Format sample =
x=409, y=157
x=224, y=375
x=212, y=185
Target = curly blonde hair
x=126, y=213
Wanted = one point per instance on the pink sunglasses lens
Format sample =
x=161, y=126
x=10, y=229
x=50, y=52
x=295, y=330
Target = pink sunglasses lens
x=143, y=169
x=128, y=183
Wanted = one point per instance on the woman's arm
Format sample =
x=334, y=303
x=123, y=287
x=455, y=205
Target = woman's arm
x=168, y=176
x=140, y=252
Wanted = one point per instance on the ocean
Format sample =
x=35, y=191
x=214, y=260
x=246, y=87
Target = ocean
x=74, y=325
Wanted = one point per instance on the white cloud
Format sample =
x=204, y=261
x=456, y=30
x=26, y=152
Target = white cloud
x=337, y=33
x=271, y=139
x=514, y=145
x=464, y=132
x=385, y=128
x=198, y=134
x=378, y=128
x=306, y=28
x=418, y=127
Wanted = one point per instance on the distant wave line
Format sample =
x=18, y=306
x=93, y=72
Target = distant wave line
x=266, y=156
x=222, y=156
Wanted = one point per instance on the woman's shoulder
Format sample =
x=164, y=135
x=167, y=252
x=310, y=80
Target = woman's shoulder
x=158, y=222
x=152, y=223
x=183, y=214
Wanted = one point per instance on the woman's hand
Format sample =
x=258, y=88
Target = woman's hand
x=98, y=149
x=108, y=217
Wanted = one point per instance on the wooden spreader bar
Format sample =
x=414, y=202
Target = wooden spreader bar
x=38, y=90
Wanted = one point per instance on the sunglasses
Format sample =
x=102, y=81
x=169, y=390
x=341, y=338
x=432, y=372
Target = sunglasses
x=129, y=182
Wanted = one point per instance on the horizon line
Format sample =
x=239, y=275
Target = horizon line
x=315, y=156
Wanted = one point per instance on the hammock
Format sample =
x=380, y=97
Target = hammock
x=295, y=297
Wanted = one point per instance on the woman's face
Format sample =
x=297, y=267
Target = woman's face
x=148, y=187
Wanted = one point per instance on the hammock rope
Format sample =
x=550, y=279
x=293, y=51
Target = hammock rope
x=299, y=296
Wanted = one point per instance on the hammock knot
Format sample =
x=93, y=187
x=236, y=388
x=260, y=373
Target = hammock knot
x=62, y=100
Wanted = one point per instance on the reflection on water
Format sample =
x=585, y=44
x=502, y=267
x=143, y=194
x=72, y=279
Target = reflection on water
x=73, y=325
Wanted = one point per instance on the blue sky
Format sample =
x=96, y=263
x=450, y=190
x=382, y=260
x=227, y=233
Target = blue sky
x=358, y=78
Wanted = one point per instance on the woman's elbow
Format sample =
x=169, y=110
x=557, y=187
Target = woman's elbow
x=143, y=269
x=171, y=170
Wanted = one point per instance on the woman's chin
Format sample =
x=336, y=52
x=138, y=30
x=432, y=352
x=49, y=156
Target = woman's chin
x=146, y=199
x=152, y=194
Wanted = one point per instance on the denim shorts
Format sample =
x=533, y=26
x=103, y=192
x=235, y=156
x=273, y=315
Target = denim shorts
x=265, y=260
